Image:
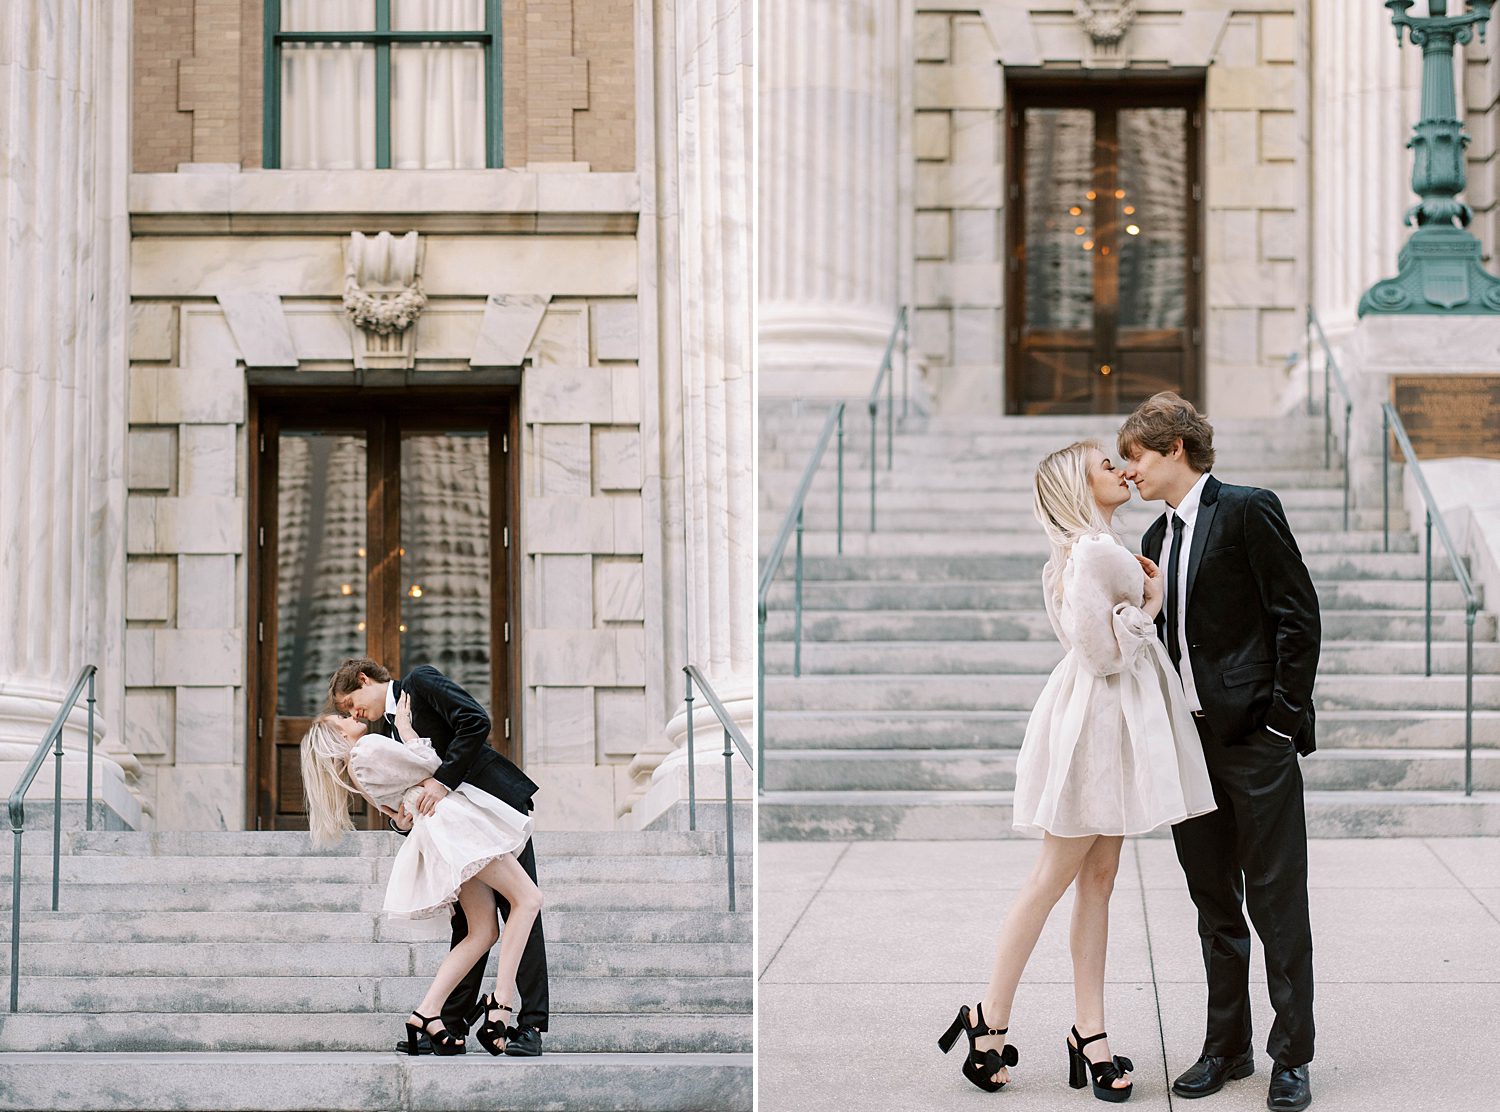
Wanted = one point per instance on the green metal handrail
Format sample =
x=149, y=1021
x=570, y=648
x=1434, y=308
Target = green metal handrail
x=1332, y=376
x=1391, y=423
x=794, y=520
x=18, y=814
x=733, y=739
x=887, y=377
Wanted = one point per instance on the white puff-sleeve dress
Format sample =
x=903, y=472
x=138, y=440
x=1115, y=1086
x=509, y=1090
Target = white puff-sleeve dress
x=1110, y=747
x=467, y=829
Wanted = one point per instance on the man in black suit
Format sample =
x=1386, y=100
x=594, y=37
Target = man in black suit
x=1241, y=624
x=459, y=730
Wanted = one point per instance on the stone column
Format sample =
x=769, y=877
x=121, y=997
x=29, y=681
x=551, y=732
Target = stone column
x=829, y=215
x=64, y=102
x=707, y=352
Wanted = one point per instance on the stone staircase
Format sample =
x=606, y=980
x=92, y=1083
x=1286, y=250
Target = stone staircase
x=250, y=971
x=926, y=643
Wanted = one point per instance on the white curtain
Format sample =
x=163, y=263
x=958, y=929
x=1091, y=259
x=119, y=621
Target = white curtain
x=437, y=89
x=327, y=89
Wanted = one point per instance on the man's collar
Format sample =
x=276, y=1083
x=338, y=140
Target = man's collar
x=1187, y=509
x=390, y=699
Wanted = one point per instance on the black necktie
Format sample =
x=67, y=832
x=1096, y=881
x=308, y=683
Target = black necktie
x=1174, y=650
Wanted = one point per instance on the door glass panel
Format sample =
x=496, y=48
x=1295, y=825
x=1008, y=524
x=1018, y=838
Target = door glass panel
x=445, y=556
x=1059, y=218
x=320, y=564
x=1152, y=217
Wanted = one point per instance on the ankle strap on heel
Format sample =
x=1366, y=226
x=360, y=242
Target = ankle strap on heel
x=979, y=1022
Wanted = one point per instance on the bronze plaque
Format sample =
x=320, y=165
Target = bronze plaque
x=1448, y=415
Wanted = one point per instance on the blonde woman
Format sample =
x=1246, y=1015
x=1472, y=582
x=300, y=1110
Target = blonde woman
x=1110, y=750
x=463, y=851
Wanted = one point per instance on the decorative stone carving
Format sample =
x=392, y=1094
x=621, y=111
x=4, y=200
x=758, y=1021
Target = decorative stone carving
x=1106, y=21
x=383, y=297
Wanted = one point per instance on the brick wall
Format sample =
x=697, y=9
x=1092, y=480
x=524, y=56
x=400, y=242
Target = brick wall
x=569, y=82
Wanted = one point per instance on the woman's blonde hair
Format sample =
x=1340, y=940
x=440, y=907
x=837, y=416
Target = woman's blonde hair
x=1063, y=500
x=325, y=784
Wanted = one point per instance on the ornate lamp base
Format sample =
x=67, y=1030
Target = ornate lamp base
x=1440, y=274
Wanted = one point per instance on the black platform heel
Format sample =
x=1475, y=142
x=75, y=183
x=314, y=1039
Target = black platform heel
x=981, y=1065
x=492, y=1034
x=1104, y=1073
x=443, y=1042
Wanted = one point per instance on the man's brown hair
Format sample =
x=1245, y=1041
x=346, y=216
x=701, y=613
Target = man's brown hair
x=346, y=678
x=1163, y=419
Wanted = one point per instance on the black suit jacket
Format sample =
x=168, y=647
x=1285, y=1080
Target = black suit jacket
x=1253, y=626
x=459, y=730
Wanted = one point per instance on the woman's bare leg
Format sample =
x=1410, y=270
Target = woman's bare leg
x=484, y=928
x=506, y=876
x=1089, y=941
x=1049, y=879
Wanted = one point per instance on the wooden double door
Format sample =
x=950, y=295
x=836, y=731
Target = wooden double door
x=381, y=529
x=1103, y=298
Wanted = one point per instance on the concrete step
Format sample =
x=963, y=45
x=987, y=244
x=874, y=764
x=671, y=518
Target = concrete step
x=54, y=1081
x=300, y=995
x=985, y=594
x=990, y=478
x=938, y=567
x=323, y=961
x=318, y=896
x=1032, y=625
x=866, y=730
x=939, y=815
x=1040, y=657
x=379, y=843
x=938, y=498
x=1272, y=443
x=911, y=691
x=1021, y=521
x=820, y=539
x=310, y=927
x=995, y=770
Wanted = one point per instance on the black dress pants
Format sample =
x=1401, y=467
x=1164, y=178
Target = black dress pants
x=531, y=975
x=1252, y=853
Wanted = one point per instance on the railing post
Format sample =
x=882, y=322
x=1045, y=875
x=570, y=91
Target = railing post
x=88, y=800
x=1469, y=704
x=905, y=362
x=841, y=480
x=15, y=914
x=692, y=782
x=57, y=822
x=1348, y=411
x=1428, y=544
x=729, y=806
x=1307, y=339
x=874, y=451
x=1385, y=478
x=797, y=605
x=890, y=419
x=760, y=705
x=1327, y=414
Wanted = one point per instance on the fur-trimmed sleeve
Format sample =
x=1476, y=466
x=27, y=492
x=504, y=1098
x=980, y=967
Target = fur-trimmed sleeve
x=1103, y=612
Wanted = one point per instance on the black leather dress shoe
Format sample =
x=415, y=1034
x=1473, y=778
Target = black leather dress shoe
x=1291, y=1091
x=524, y=1042
x=1208, y=1074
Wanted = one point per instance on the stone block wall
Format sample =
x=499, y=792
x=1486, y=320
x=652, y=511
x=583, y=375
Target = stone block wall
x=1256, y=166
x=568, y=76
x=1479, y=99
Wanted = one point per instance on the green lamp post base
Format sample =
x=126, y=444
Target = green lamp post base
x=1440, y=274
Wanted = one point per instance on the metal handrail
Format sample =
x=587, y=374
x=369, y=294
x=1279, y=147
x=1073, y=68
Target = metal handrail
x=1332, y=376
x=793, y=520
x=18, y=814
x=887, y=377
x=733, y=739
x=1391, y=423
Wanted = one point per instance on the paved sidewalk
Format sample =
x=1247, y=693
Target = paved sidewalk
x=867, y=949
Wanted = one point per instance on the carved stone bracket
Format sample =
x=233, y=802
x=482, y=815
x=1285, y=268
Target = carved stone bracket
x=1106, y=22
x=383, y=297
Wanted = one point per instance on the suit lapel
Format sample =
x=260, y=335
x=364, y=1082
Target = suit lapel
x=1151, y=545
x=1207, y=509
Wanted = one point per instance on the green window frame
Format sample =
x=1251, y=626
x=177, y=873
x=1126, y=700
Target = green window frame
x=382, y=38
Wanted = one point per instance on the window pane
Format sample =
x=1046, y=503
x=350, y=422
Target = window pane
x=320, y=564
x=328, y=15
x=1152, y=217
x=437, y=107
x=437, y=15
x=1059, y=218
x=445, y=562
x=327, y=106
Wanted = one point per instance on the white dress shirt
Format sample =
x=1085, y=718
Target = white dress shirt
x=390, y=702
x=1187, y=510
